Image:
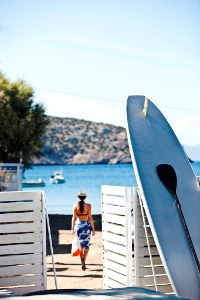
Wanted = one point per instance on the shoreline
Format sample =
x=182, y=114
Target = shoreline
x=118, y=163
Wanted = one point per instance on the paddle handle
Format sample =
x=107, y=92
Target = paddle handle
x=187, y=232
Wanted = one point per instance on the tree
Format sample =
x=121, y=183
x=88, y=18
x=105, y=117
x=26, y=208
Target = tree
x=22, y=123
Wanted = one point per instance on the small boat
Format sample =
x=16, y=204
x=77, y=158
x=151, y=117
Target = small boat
x=57, y=177
x=33, y=183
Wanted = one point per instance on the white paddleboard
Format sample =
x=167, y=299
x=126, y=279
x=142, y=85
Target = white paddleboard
x=152, y=142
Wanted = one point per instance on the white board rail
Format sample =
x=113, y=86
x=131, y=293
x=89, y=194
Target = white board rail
x=23, y=242
x=116, y=230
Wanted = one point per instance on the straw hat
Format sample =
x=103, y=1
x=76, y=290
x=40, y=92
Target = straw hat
x=82, y=193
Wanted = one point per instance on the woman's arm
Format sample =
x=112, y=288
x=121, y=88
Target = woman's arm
x=73, y=218
x=91, y=219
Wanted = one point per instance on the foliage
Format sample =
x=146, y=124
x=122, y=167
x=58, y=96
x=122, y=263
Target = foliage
x=22, y=123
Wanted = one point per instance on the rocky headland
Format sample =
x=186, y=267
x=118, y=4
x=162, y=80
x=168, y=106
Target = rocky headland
x=73, y=142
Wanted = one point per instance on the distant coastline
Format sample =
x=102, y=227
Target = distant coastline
x=71, y=141
x=57, y=164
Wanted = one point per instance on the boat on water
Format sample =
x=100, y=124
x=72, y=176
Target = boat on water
x=33, y=183
x=57, y=177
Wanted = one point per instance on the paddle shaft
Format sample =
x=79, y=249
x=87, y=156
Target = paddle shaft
x=187, y=232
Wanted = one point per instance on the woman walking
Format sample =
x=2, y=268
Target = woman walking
x=83, y=225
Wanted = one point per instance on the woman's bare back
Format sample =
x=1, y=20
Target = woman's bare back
x=86, y=212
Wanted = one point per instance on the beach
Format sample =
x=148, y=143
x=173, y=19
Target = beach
x=68, y=269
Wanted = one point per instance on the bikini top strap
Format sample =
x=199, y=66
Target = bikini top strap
x=81, y=214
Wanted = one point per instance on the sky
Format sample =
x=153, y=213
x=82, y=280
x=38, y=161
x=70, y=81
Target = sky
x=84, y=58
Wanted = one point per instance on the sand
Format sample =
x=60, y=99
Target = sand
x=68, y=269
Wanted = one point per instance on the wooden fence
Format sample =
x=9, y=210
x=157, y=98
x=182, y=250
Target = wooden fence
x=149, y=269
x=22, y=242
x=116, y=230
x=149, y=272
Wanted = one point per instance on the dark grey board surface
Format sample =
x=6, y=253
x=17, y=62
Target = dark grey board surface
x=153, y=142
x=130, y=293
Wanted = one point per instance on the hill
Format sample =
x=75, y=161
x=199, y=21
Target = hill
x=72, y=142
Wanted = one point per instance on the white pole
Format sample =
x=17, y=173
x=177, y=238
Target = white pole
x=44, y=243
x=136, y=263
x=50, y=241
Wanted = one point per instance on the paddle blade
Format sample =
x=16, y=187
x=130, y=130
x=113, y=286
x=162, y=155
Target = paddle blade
x=167, y=176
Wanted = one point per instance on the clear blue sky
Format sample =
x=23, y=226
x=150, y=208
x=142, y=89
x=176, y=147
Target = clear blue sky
x=107, y=49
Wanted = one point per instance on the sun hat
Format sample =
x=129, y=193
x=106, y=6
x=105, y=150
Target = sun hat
x=82, y=193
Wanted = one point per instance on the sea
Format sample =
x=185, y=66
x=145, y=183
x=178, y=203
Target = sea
x=61, y=197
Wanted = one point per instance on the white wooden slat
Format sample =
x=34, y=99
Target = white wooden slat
x=162, y=288
x=143, y=281
x=113, y=284
x=115, y=248
x=113, y=209
x=20, y=280
x=144, y=251
x=20, y=227
x=140, y=221
x=21, y=206
x=113, y=228
x=20, y=238
x=115, y=257
x=148, y=271
x=115, y=276
x=20, y=270
x=143, y=242
x=141, y=232
x=113, y=190
x=116, y=200
x=20, y=196
x=115, y=267
x=26, y=289
x=167, y=289
x=21, y=217
x=139, y=214
x=20, y=259
x=114, y=238
x=20, y=249
x=145, y=261
x=113, y=219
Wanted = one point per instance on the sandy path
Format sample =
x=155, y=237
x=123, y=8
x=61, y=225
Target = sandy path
x=68, y=268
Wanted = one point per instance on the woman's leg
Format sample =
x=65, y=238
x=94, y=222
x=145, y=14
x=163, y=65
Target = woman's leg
x=85, y=253
x=82, y=253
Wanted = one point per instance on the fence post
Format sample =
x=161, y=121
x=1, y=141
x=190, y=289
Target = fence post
x=136, y=267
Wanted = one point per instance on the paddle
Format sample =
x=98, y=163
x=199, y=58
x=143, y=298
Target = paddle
x=167, y=176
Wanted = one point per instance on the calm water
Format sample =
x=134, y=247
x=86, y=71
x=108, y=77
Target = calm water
x=61, y=197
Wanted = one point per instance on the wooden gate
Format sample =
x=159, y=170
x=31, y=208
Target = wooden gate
x=116, y=235
x=149, y=272
x=22, y=242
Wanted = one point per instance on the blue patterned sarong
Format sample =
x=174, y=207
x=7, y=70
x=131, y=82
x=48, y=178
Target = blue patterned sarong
x=83, y=231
